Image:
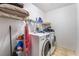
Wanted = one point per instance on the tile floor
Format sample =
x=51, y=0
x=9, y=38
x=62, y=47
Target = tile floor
x=63, y=52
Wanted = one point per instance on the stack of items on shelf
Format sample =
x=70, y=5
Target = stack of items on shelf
x=12, y=11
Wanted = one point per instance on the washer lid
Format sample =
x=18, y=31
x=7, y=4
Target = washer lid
x=39, y=34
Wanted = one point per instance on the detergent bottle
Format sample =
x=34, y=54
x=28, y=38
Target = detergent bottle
x=39, y=22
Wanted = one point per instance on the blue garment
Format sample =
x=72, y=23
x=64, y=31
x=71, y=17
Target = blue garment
x=20, y=43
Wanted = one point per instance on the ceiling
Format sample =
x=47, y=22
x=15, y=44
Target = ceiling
x=50, y=6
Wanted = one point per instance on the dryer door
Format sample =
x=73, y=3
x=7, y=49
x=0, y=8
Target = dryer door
x=46, y=48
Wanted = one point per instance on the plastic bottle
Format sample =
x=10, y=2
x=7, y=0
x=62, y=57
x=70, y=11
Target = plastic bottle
x=39, y=22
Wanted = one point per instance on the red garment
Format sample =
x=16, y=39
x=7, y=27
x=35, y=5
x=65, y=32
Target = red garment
x=27, y=41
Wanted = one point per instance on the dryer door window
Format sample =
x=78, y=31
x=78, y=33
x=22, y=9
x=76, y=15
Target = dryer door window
x=46, y=47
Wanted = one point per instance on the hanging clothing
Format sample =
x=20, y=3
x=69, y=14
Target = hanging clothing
x=27, y=41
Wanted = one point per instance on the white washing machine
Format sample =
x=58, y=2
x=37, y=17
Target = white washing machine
x=41, y=44
x=53, y=42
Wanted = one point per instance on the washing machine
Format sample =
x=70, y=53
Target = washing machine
x=53, y=42
x=41, y=44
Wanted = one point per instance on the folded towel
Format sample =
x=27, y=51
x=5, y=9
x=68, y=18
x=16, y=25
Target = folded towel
x=3, y=14
x=14, y=10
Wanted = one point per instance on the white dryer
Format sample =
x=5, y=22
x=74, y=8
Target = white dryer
x=41, y=44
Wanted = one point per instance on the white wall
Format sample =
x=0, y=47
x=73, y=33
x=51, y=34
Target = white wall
x=34, y=11
x=77, y=51
x=17, y=27
x=64, y=22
